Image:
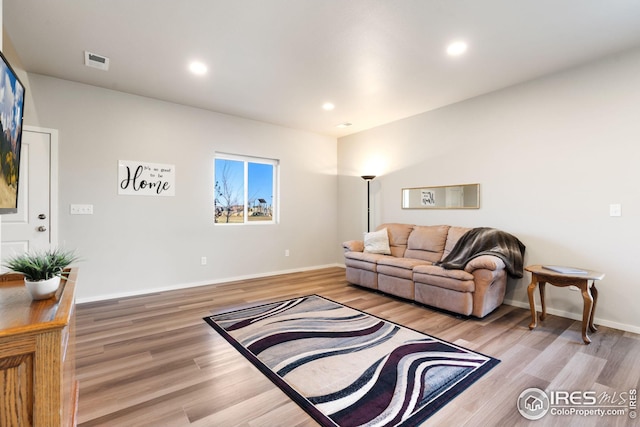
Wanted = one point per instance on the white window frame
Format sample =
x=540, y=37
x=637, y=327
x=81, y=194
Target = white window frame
x=275, y=206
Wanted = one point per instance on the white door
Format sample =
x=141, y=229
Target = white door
x=32, y=227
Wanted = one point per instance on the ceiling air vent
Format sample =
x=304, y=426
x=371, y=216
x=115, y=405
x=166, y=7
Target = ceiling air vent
x=96, y=61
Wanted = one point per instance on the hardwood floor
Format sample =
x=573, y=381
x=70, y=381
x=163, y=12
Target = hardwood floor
x=152, y=361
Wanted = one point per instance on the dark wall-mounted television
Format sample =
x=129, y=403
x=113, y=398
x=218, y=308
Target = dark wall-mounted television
x=11, y=115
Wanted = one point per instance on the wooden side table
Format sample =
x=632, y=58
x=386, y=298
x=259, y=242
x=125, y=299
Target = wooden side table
x=38, y=385
x=540, y=276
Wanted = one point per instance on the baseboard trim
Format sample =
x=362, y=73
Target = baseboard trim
x=200, y=283
x=577, y=316
x=515, y=303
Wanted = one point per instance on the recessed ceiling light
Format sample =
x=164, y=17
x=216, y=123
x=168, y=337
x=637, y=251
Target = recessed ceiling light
x=198, y=68
x=456, y=48
x=328, y=106
x=344, y=125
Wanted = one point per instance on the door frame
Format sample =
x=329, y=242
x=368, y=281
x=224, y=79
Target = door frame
x=53, y=180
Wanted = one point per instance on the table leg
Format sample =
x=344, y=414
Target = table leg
x=594, y=294
x=541, y=285
x=586, y=311
x=532, y=303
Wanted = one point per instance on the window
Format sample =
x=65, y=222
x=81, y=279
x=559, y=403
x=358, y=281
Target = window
x=245, y=189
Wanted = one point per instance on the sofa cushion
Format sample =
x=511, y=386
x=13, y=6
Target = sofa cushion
x=427, y=242
x=398, y=236
x=377, y=242
x=454, y=234
x=457, y=280
x=400, y=267
x=363, y=260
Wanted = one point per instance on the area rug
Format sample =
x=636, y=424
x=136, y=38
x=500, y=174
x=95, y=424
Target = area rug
x=349, y=368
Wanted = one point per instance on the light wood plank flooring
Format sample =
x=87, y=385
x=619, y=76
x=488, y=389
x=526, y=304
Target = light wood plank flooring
x=152, y=361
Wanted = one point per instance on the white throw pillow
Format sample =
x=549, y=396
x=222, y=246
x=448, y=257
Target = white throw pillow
x=377, y=242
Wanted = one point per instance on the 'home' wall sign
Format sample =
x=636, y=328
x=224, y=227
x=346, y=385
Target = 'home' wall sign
x=146, y=179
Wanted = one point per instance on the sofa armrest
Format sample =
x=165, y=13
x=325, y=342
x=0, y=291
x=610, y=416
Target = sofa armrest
x=488, y=262
x=353, y=246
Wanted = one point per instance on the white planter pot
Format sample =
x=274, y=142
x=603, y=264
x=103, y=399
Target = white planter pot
x=43, y=289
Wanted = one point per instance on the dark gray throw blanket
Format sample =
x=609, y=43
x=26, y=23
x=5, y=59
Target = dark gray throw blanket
x=486, y=241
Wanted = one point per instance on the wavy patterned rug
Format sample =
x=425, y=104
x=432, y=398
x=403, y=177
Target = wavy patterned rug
x=349, y=368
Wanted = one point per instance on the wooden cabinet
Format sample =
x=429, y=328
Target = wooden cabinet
x=37, y=357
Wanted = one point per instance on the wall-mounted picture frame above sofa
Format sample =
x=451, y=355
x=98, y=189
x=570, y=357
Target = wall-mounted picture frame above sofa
x=464, y=196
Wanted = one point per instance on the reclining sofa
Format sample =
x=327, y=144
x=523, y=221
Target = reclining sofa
x=457, y=269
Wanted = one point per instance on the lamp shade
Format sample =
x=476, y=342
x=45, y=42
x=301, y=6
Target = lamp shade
x=368, y=177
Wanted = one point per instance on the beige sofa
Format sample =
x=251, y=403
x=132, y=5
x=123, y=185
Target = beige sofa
x=424, y=264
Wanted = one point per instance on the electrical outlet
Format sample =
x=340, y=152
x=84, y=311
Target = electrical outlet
x=203, y=260
x=286, y=252
x=81, y=209
x=615, y=209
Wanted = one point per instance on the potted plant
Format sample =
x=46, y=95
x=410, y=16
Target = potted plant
x=41, y=270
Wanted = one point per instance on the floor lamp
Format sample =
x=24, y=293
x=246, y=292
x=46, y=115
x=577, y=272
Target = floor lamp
x=368, y=178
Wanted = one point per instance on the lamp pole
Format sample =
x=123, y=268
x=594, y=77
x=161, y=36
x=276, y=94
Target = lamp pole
x=368, y=178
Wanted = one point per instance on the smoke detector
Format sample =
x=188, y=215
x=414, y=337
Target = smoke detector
x=94, y=60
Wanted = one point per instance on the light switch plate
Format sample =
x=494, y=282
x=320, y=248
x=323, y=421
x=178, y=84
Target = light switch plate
x=81, y=210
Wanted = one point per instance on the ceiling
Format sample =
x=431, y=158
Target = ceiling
x=278, y=61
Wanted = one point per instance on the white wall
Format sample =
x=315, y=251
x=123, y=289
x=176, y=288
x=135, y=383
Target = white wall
x=550, y=156
x=134, y=244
